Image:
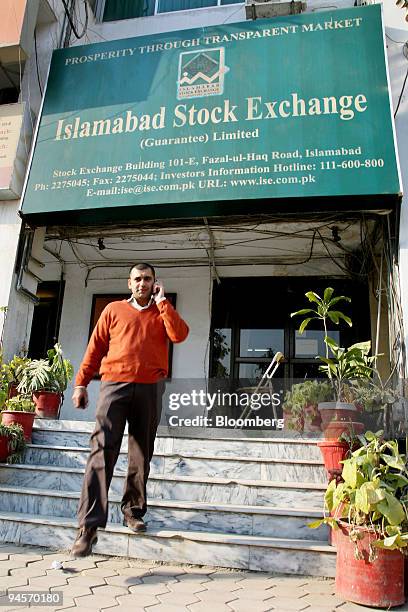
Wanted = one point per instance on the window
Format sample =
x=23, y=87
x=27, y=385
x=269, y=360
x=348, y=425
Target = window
x=114, y=10
x=251, y=322
x=46, y=318
x=10, y=82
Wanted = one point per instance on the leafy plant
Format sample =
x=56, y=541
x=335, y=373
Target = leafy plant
x=37, y=376
x=373, y=394
x=51, y=374
x=347, y=365
x=62, y=369
x=304, y=395
x=20, y=403
x=374, y=494
x=323, y=310
x=13, y=370
x=16, y=441
x=341, y=365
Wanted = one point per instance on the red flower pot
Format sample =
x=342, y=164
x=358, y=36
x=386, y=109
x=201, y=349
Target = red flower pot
x=25, y=419
x=47, y=404
x=336, y=411
x=378, y=583
x=335, y=429
x=333, y=452
x=4, y=448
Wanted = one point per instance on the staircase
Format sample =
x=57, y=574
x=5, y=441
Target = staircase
x=232, y=502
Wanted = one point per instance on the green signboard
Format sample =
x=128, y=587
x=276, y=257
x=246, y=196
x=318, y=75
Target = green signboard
x=270, y=110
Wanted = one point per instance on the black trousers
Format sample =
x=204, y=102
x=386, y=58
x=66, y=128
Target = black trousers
x=140, y=406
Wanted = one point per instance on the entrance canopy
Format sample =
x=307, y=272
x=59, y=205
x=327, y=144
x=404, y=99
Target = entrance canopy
x=261, y=116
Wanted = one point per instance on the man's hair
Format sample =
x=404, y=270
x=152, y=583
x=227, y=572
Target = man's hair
x=142, y=266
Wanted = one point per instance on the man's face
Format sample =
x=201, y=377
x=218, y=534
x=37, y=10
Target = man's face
x=141, y=284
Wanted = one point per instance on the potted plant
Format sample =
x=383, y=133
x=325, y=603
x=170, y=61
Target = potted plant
x=300, y=404
x=377, y=398
x=46, y=380
x=343, y=368
x=11, y=373
x=19, y=410
x=369, y=510
x=339, y=364
x=12, y=443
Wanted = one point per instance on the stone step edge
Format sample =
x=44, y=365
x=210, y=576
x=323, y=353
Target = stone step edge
x=249, y=459
x=275, y=439
x=178, y=504
x=198, y=536
x=175, y=478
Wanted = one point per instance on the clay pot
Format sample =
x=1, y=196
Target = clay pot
x=376, y=583
x=47, y=404
x=25, y=419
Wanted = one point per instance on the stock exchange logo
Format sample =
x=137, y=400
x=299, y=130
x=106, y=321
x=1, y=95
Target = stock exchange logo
x=201, y=73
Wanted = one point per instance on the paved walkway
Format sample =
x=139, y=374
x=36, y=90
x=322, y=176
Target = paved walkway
x=128, y=585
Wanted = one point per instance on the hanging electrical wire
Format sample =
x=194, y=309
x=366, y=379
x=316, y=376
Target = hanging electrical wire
x=71, y=21
x=401, y=94
x=36, y=61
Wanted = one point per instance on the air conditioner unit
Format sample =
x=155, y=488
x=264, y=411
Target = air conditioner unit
x=366, y=2
x=258, y=9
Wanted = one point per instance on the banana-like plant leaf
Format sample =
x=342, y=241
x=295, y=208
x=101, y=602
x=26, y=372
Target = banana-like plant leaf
x=313, y=297
x=302, y=312
x=328, y=292
x=304, y=324
x=339, y=298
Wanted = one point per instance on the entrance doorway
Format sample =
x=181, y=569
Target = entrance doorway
x=251, y=322
x=46, y=319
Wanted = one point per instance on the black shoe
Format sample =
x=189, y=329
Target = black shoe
x=86, y=538
x=135, y=524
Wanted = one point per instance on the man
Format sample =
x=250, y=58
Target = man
x=129, y=347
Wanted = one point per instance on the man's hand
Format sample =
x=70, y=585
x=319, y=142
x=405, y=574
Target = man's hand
x=80, y=397
x=158, y=292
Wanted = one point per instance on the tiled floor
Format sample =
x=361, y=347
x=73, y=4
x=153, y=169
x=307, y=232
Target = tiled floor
x=128, y=585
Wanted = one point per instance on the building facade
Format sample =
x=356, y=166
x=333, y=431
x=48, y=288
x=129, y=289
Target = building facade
x=237, y=264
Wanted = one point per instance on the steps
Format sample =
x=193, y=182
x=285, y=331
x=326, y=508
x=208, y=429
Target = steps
x=239, y=503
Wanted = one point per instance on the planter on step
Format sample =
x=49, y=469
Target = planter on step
x=333, y=453
x=337, y=411
x=25, y=419
x=335, y=429
x=376, y=578
x=47, y=404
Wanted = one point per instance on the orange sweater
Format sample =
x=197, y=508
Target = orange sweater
x=129, y=345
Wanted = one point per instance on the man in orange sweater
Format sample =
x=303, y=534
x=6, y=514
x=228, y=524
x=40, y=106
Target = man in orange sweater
x=129, y=347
